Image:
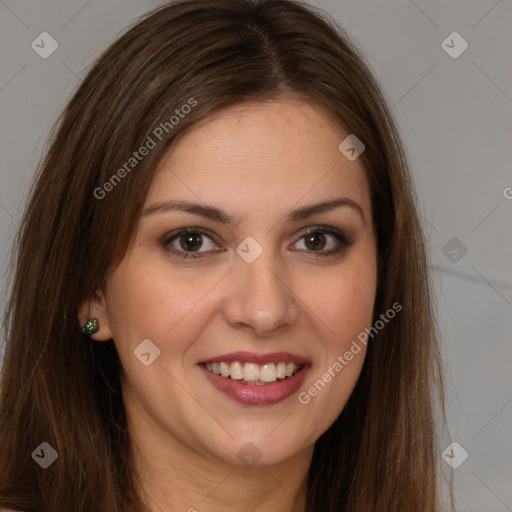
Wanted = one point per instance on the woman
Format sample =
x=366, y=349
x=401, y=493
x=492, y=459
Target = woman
x=221, y=295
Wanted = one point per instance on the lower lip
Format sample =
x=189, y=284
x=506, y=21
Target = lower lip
x=257, y=395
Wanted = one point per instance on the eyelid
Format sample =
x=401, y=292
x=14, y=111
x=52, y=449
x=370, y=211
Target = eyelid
x=183, y=231
x=344, y=238
x=343, y=242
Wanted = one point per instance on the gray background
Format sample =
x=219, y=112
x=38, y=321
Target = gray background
x=455, y=116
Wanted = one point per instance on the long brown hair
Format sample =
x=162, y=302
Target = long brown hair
x=59, y=387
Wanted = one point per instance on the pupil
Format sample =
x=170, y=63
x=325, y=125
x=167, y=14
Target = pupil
x=313, y=241
x=190, y=242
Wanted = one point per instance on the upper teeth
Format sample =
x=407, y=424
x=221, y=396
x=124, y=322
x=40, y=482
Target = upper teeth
x=252, y=372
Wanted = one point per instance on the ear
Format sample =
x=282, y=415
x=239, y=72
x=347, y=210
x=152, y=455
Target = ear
x=95, y=307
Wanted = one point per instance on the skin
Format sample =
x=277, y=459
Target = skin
x=257, y=162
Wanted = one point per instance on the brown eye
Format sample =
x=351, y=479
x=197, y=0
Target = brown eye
x=315, y=241
x=189, y=243
x=324, y=241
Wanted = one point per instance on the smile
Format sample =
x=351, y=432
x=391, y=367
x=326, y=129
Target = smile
x=256, y=379
x=254, y=374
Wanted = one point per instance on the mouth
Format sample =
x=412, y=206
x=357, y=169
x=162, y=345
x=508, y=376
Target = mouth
x=253, y=379
x=253, y=374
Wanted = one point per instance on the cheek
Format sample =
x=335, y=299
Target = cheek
x=154, y=302
x=343, y=307
x=343, y=300
x=151, y=300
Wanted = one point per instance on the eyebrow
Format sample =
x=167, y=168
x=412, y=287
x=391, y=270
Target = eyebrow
x=212, y=213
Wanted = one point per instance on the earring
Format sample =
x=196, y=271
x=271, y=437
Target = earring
x=91, y=326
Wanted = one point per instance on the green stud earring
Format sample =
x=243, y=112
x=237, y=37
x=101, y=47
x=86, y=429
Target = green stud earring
x=91, y=326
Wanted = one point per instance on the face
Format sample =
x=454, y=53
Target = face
x=252, y=273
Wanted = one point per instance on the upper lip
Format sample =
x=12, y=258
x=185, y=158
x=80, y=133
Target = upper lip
x=252, y=357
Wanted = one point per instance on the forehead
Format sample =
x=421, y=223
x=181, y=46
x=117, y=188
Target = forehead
x=261, y=155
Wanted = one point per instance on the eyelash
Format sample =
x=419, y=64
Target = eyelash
x=340, y=236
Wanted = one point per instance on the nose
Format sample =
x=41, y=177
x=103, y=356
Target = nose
x=260, y=297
